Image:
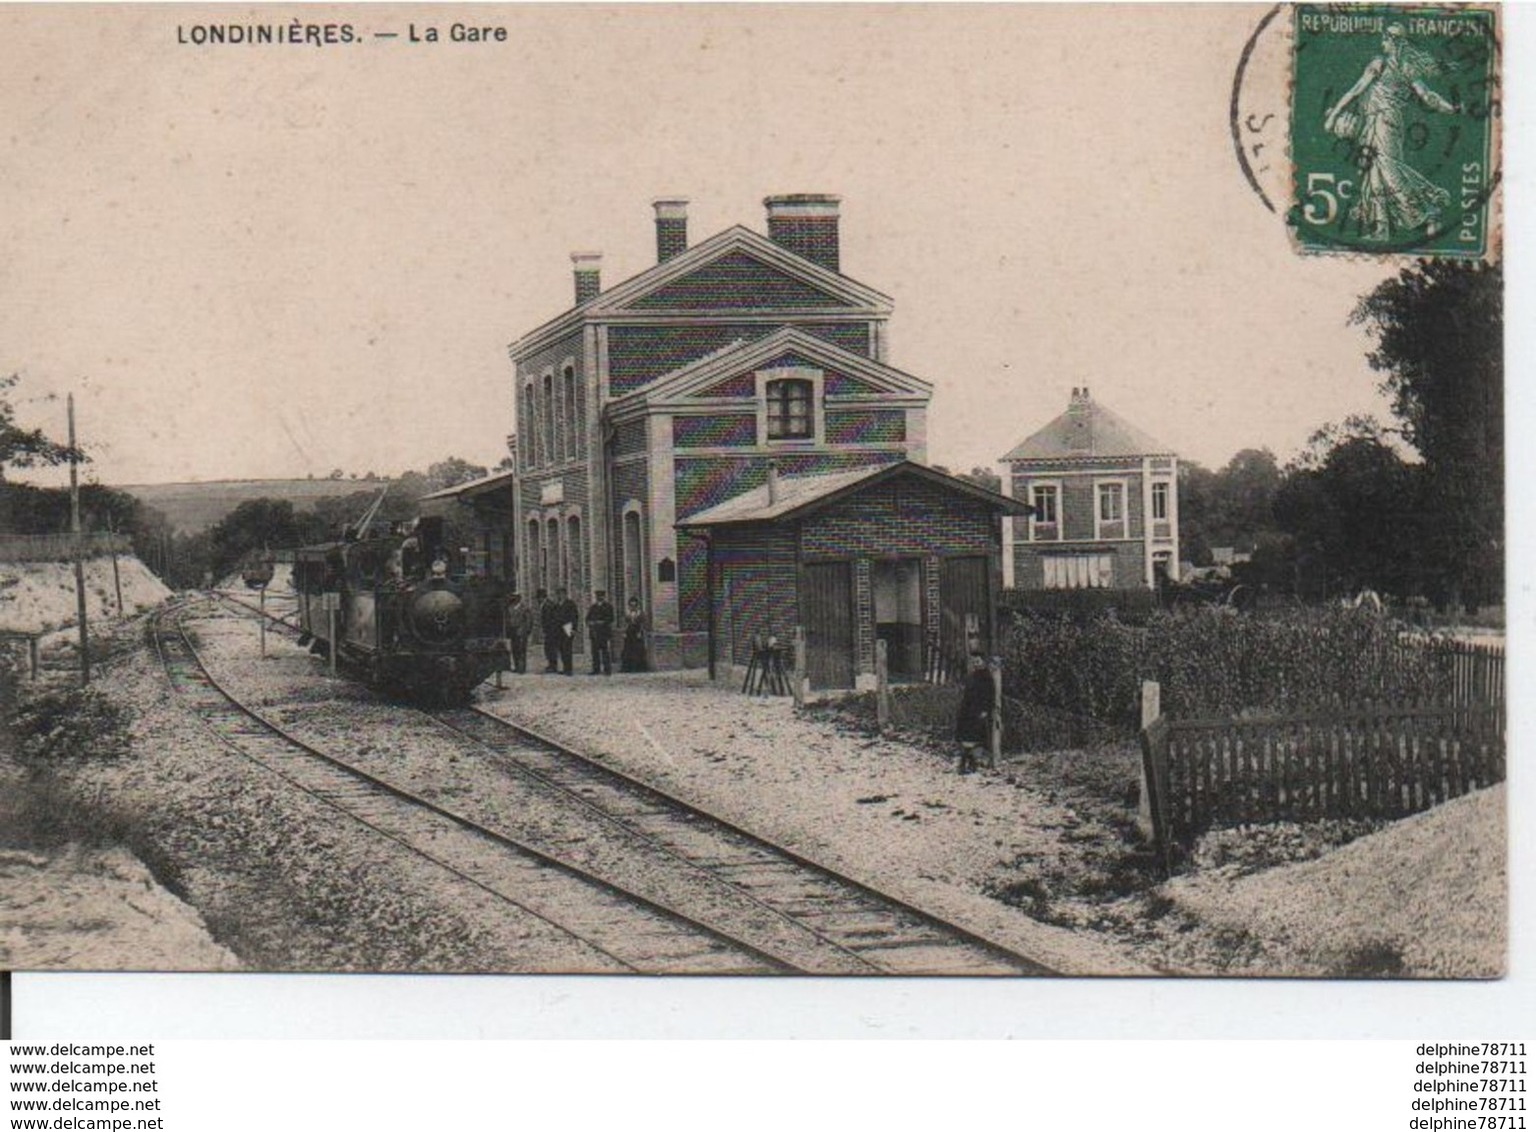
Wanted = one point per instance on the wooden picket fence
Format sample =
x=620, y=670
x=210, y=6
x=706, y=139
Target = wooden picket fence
x=1477, y=674
x=1384, y=762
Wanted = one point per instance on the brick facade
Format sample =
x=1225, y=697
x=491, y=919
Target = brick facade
x=1081, y=452
x=650, y=445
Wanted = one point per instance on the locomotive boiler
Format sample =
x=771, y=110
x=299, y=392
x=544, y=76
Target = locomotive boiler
x=410, y=614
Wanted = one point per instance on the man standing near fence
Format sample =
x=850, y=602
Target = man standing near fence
x=973, y=722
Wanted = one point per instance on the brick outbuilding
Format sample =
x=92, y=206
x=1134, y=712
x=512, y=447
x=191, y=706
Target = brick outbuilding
x=899, y=552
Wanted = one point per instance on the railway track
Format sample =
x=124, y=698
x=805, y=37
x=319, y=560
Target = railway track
x=629, y=931
x=808, y=916
x=884, y=934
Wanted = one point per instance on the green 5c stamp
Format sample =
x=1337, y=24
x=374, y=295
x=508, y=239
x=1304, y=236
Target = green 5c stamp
x=1394, y=111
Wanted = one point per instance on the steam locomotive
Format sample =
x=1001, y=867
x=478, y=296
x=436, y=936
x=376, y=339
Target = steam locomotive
x=405, y=610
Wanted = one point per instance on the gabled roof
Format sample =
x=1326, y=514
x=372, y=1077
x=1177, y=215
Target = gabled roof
x=470, y=488
x=797, y=496
x=618, y=299
x=1087, y=429
x=738, y=356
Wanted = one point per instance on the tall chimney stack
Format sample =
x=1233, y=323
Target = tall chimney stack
x=806, y=224
x=1080, y=421
x=671, y=227
x=587, y=267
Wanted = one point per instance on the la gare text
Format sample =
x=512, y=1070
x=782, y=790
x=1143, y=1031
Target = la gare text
x=457, y=33
x=325, y=35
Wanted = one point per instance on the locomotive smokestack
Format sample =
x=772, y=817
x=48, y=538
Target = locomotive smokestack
x=671, y=227
x=773, y=482
x=587, y=268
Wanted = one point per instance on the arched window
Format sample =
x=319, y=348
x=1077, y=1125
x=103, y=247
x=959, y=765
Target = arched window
x=634, y=556
x=535, y=553
x=572, y=423
x=529, y=427
x=554, y=560
x=550, y=456
x=790, y=415
x=573, y=572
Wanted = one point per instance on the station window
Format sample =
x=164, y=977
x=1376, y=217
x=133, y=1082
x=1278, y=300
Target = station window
x=1160, y=501
x=790, y=409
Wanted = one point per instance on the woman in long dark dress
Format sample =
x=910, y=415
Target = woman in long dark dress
x=632, y=658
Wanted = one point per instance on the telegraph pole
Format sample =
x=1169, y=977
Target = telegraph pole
x=74, y=527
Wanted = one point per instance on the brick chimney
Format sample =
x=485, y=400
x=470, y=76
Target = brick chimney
x=671, y=227
x=806, y=224
x=1080, y=421
x=587, y=267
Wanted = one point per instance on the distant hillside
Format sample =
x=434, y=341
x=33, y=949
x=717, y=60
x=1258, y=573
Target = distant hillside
x=193, y=507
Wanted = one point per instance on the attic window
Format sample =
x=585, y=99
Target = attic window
x=790, y=409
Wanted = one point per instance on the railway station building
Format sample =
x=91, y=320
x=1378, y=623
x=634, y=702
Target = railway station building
x=1105, y=504
x=898, y=553
x=656, y=399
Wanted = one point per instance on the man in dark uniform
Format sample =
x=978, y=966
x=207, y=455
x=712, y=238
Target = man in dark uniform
x=973, y=722
x=600, y=619
x=519, y=629
x=566, y=620
x=549, y=629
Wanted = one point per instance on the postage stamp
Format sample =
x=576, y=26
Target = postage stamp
x=1394, y=116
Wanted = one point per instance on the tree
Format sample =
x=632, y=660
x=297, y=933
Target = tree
x=983, y=477
x=1233, y=507
x=24, y=448
x=1438, y=327
x=452, y=472
x=1354, y=520
x=255, y=525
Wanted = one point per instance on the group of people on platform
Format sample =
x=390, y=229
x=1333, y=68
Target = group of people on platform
x=558, y=620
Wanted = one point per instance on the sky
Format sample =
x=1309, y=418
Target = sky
x=276, y=260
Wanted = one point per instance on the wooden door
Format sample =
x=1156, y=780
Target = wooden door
x=965, y=586
x=826, y=608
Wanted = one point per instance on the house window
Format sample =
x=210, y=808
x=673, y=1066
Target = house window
x=1160, y=501
x=1045, y=503
x=790, y=403
x=1111, y=502
x=1079, y=571
x=1045, y=498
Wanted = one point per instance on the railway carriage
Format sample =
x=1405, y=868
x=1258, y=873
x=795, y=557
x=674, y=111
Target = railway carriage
x=407, y=611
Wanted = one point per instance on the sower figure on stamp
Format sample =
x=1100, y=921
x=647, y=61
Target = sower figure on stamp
x=566, y=619
x=549, y=629
x=600, y=619
x=973, y=722
x=633, y=658
x=519, y=629
x=1394, y=197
